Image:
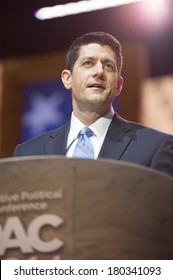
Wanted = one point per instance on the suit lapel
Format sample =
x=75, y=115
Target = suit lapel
x=56, y=145
x=118, y=137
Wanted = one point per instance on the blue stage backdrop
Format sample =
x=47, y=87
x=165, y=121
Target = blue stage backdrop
x=46, y=106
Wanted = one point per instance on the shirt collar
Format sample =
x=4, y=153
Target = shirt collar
x=99, y=127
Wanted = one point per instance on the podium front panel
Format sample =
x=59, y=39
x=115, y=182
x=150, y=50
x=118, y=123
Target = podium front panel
x=58, y=208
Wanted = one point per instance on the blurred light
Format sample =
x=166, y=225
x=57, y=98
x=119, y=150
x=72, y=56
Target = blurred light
x=155, y=6
x=155, y=11
x=78, y=7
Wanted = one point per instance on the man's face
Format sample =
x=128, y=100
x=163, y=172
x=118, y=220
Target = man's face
x=94, y=80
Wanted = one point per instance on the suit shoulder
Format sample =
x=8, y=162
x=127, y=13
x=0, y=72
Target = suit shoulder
x=42, y=138
x=36, y=145
x=145, y=129
x=149, y=130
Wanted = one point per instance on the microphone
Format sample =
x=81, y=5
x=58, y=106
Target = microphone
x=66, y=150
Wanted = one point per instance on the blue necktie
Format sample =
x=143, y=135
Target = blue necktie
x=84, y=147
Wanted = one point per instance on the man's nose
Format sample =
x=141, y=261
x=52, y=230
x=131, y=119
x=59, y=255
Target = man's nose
x=98, y=69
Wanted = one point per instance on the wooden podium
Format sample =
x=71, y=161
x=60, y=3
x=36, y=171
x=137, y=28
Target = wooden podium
x=58, y=208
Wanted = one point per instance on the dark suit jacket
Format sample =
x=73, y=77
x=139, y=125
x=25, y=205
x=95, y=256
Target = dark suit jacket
x=124, y=140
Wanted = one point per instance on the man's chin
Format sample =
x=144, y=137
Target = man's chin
x=97, y=104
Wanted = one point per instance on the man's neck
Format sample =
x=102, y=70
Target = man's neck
x=88, y=117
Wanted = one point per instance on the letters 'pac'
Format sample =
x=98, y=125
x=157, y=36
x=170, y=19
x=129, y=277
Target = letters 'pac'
x=14, y=235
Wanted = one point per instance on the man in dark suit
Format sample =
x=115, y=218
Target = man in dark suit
x=93, y=74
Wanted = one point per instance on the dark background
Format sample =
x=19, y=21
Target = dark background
x=24, y=35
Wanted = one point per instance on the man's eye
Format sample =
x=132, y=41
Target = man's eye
x=87, y=63
x=110, y=67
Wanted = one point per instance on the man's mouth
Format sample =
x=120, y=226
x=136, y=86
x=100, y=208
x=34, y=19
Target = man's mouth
x=95, y=85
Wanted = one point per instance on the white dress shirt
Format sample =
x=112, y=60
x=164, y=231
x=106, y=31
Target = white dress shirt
x=99, y=128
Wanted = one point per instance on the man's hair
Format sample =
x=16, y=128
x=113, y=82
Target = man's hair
x=101, y=38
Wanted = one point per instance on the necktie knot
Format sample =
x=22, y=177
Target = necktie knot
x=84, y=147
x=86, y=131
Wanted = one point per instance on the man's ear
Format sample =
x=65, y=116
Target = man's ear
x=66, y=78
x=119, y=85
